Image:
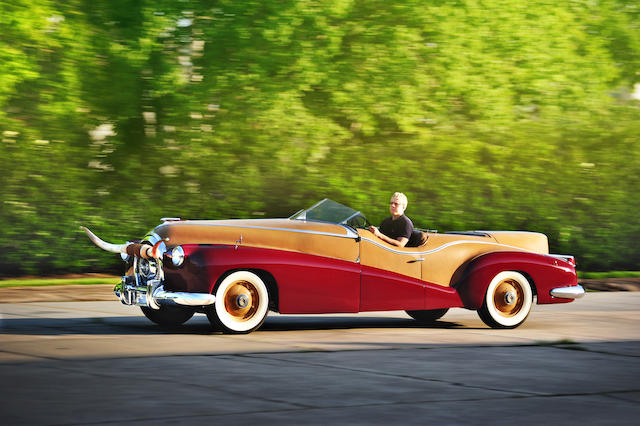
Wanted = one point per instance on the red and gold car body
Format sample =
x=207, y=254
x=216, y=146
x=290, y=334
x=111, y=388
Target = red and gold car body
x=236, y=270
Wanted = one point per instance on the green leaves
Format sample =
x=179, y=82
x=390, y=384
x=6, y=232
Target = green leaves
x=498, y=115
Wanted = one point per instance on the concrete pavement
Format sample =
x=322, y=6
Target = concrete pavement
x=103, y=363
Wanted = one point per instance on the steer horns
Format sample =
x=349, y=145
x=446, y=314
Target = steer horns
x=144, y=251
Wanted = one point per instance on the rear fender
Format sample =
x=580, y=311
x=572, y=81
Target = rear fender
x=543, y=272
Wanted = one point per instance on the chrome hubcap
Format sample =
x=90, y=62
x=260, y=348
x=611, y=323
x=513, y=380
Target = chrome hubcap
x=242, y=301
x=510, y=298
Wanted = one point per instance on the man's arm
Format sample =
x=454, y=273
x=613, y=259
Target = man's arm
x=400, y=242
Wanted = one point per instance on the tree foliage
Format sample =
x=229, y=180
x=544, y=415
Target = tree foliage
x=503, y=115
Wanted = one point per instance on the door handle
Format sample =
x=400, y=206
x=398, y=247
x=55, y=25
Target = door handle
x=420, y=259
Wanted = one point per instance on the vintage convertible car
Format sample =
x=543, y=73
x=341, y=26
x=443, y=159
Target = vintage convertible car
x=325, y=260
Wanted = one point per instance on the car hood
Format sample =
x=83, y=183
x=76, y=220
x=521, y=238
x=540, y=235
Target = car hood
x=320, y=238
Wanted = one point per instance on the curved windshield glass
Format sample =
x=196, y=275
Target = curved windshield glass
x=332, y=212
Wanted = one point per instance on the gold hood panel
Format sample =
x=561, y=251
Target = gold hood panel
x=321, y=239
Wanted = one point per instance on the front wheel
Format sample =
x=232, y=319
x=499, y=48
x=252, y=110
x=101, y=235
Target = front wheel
x=242, y=303
x=168, y=315
x=508, y=300
x=427, y=316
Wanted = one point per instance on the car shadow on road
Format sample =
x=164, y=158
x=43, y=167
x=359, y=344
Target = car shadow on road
x=284, y=323
x=199, y=325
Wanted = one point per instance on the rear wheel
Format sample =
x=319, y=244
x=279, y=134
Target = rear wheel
x=427, y=316
x=168, y=315
x=242, y=303
x=508, y=300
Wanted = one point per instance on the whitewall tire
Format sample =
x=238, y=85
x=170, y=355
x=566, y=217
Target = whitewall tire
x=508, y=300
x=242, y=303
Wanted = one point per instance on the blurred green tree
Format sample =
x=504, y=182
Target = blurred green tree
x=487, y=114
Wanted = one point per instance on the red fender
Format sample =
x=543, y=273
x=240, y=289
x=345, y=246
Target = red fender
x=543, y=272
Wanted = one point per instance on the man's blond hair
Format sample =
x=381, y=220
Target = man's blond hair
x=401, y=197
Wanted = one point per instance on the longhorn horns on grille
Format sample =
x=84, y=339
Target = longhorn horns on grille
x=132, y=249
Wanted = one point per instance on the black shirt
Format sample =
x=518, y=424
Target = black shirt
x=401, y=227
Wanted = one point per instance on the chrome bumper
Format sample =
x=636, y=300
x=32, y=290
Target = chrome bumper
x=153, y=295
x=572, y=292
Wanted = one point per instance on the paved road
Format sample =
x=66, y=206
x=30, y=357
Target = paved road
x=103, y=363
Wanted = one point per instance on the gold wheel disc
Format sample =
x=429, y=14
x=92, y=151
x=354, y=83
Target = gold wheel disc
x=241, y=300
x=508, y=297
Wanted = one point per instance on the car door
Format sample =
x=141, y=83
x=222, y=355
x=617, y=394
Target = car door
x=391, y=277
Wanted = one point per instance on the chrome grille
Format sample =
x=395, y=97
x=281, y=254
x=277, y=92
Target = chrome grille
x=147, y=269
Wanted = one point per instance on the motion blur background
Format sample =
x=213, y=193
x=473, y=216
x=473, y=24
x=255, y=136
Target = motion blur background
x=487, y=114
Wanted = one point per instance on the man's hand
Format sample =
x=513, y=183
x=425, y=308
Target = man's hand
x=401, y=242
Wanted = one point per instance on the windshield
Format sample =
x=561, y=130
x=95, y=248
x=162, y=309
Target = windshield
x=332, y=212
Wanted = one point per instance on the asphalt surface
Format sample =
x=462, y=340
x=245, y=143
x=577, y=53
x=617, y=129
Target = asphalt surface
x=94, y=363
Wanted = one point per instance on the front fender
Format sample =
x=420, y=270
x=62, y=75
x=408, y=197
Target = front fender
x=304, y=283
x=543, y=272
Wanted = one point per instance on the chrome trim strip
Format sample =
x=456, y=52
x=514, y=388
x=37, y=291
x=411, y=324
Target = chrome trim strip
x=170, y=219
x=565, y=257
x=350, y=233
x=572, y=292
x=135, y=271
x=442, y=247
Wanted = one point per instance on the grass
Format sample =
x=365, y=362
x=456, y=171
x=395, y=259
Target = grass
x=610, y=274
x=34, y=282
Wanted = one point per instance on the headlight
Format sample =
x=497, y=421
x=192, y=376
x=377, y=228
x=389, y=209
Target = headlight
x=177, y=256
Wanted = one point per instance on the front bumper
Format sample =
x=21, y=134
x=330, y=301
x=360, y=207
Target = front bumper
x=153, y=295
x=572, y=292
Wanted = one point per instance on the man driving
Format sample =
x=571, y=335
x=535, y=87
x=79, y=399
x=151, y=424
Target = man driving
x=397, y=228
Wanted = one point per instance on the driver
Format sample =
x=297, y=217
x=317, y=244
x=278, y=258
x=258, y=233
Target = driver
x=397, y=228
